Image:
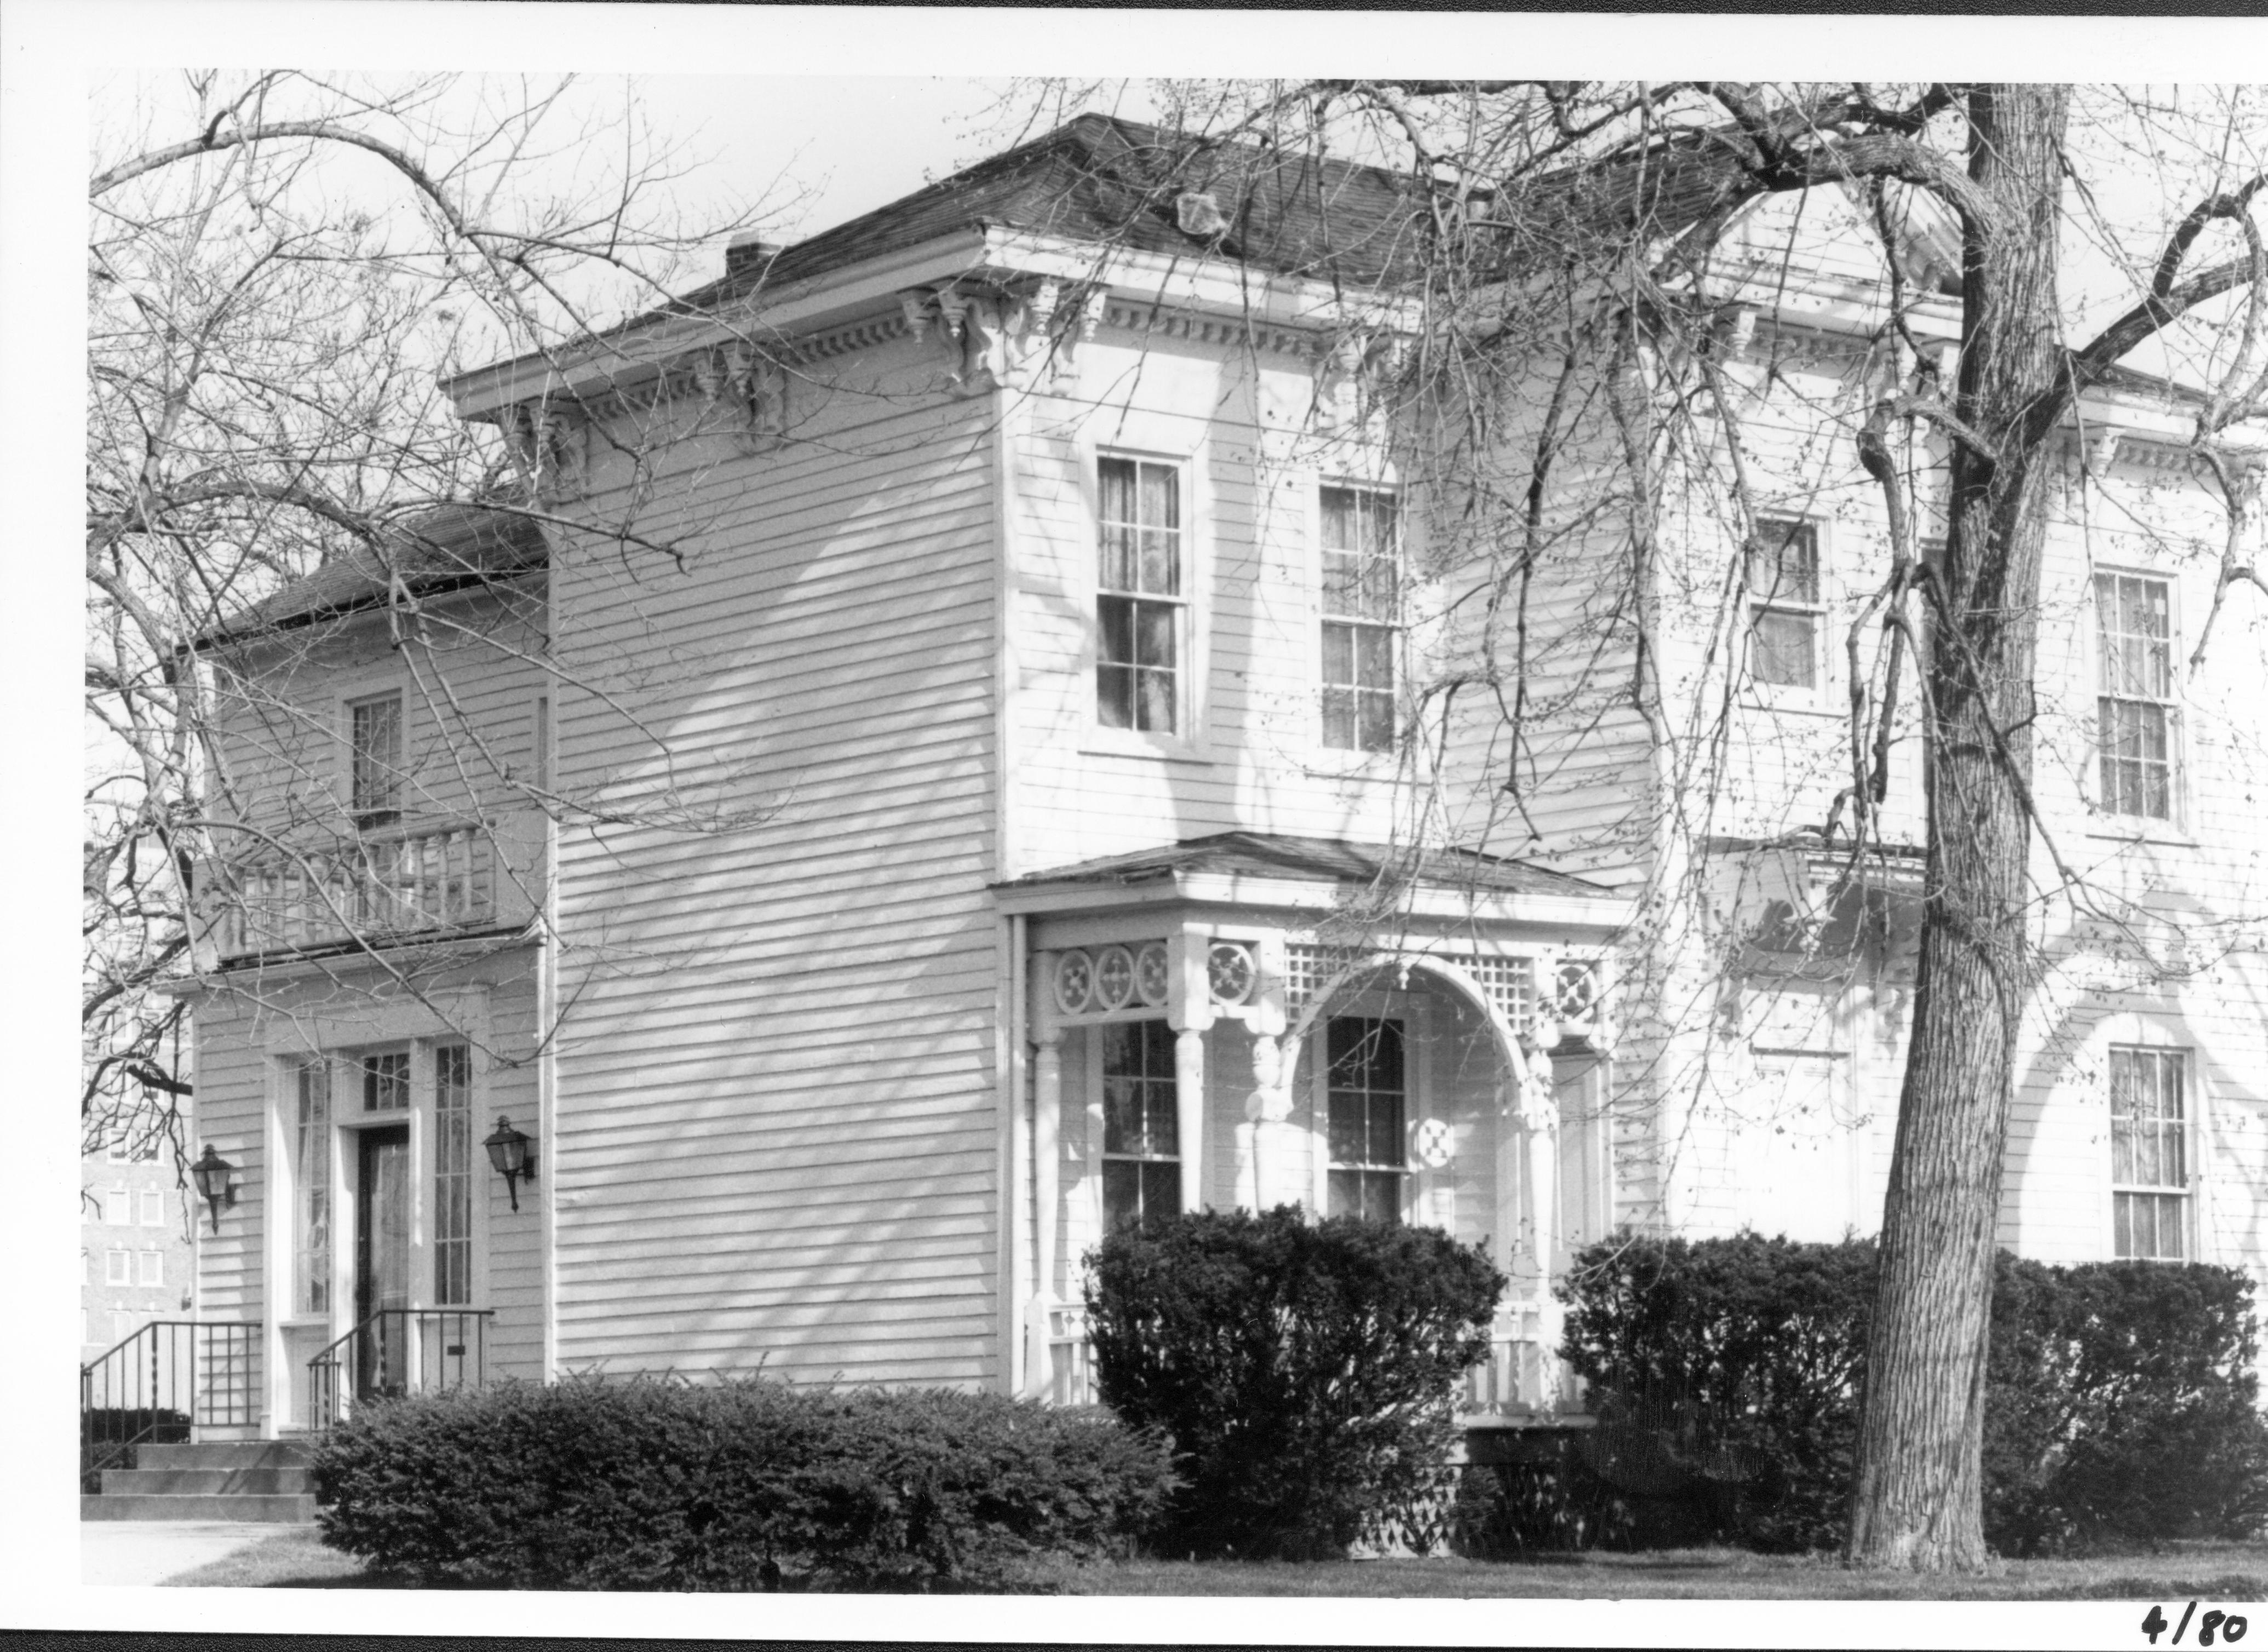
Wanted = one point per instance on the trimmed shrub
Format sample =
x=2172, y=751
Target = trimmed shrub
x=655, y=1484
x=2123, y=1406
x=1306, y=1372
x=1725, y=1374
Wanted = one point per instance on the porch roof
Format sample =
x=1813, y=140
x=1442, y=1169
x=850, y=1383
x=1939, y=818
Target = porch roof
x=1334, y=860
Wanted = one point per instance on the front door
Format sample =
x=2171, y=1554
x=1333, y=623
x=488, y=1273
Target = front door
x=382, y=1262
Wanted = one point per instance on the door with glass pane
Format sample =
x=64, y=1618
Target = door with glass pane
x=382, y=1261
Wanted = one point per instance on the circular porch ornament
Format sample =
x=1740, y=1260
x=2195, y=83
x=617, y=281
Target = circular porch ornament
x=1114, y=978
x=1150, y=973
x=1074, y=982
x=1575, y=990
x=1430, y=1144
x=1228, y=972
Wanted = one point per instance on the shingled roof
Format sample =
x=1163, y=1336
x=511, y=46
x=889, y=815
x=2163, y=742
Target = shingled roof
x=1329, y=860
x=447, y=548
x=1101, y=179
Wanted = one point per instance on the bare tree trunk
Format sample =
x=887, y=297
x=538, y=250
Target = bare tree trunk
x=1916, y=1497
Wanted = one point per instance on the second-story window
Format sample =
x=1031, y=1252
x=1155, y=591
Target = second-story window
x=1785, y=610
x=374, y=760
x=1361, y=617
x=1139, y=597
x=2134, y=705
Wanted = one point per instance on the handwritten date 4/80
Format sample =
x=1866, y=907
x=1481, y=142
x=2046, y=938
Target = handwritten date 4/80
x=2226, y=1627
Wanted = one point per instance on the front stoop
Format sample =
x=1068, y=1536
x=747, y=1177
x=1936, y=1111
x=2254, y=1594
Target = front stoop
x=231, y=1479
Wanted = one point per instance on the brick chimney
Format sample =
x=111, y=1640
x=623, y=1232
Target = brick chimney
x=745, y=251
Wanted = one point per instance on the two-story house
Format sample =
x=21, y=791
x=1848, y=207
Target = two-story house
x=938, y=771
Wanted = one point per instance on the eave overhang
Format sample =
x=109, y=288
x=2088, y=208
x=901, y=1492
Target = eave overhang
x=1316, y=897
x=631, y=355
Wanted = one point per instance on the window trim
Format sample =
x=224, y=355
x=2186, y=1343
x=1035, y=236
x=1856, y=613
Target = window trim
x=1398, y=628
x=1818, y=695
x=2190, y=1190
x=1191, y=739
x=2175, y=820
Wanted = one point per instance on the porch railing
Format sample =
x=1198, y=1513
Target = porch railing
x=396, y=881
x=398, y=1351
x=1070, y=1359
x=153, y=1387
x=1523, y=1373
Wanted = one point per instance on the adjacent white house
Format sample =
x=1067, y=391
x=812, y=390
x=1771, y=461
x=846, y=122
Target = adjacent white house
x=929, y=770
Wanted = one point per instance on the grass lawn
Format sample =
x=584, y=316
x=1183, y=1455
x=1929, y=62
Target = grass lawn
x=2220, y=1571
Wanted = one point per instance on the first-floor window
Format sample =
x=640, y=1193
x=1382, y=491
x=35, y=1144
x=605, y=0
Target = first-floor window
x=311, y=1213
x=453, y=1175
x=1367, y=1092
x=2149, y=1153
x=1141, y=1129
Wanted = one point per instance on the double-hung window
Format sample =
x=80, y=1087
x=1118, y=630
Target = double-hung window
x=153, y=1208
x=1362, y=619
x=118, y=1206
x=1367, y=1091
x=2149, y=1153
x=374, y=761
x=1785, y=613
x=2134, y=702
x=154, y=1268
x=1140, y=601
x=1141, y=1131
x=118, y=1267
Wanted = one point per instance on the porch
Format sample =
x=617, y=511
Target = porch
x=1203, y=1027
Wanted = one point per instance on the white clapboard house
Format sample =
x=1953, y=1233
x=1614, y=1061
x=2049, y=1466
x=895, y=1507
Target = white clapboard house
x=934, y=774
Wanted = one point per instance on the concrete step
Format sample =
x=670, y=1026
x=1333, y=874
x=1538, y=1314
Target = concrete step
x=207, y=1482
x=218, y=1506
x=224, y=1454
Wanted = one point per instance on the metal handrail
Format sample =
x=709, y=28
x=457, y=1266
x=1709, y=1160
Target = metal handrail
x=393, y=1342
x=154, y=1385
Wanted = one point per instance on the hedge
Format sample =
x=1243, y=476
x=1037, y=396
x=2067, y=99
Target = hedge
x=1725, y=1375
x=1307, y=1372
x=656, y=1484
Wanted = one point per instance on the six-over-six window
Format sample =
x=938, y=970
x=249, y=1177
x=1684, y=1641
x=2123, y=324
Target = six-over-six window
x=1362, y=619
x=1140, y=597
x=2134, y=702
x=2149, y=1153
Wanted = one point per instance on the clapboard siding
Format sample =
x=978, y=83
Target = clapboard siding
x=775, y=1112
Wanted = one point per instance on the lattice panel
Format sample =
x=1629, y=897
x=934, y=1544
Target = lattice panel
x=1510, y=982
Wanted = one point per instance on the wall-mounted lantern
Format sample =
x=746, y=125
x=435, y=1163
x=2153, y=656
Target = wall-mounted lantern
x=215, y=1180
x=514, y=1155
